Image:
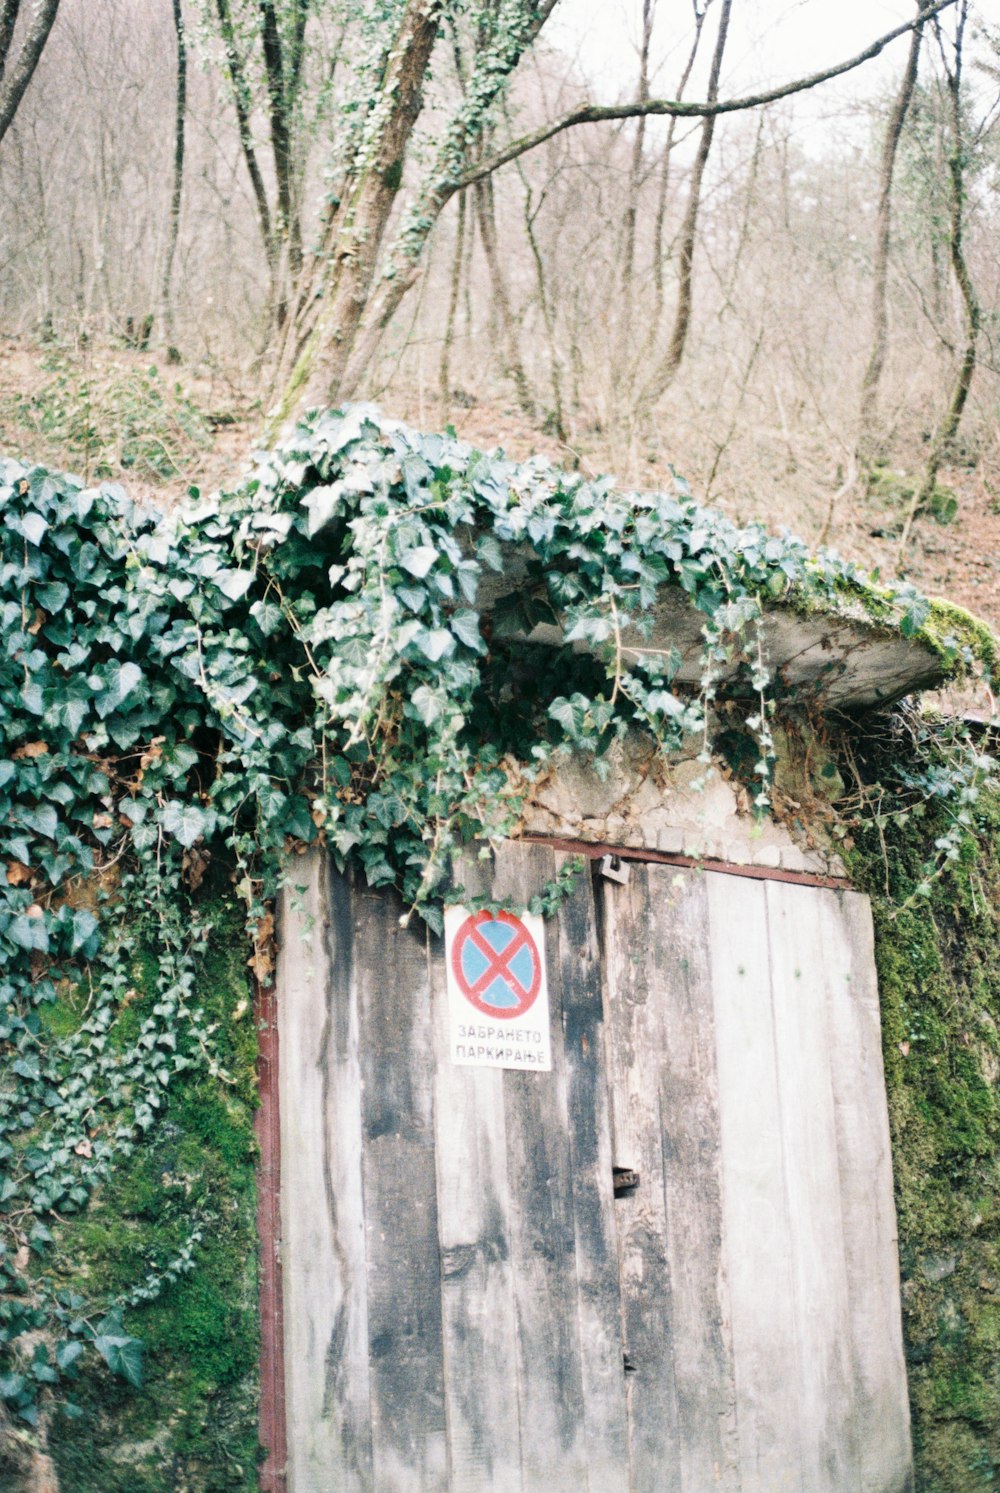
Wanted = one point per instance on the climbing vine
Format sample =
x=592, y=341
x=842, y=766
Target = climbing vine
x=339, y=650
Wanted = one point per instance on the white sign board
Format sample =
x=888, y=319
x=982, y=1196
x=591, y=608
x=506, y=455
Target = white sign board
x=498, y=994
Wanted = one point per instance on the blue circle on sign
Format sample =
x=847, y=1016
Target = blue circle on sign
x=496, y=964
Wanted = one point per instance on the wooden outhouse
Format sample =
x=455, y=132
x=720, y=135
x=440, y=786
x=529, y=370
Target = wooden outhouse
x=667, y=1261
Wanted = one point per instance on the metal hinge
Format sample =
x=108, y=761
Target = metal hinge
x=613, y=868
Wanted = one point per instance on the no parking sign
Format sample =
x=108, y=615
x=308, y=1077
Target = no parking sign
x=498, y=998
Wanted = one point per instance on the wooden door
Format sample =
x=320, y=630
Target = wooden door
x=759, y=1271
x=469, y=1305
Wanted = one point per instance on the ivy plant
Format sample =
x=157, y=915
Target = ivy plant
x=339, y=650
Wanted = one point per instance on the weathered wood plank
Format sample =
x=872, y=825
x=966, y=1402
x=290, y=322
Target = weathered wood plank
x=755, y=1211
x=868, y=1220
x=822, y=1383
x=599, y=1298
x=679, y=953
x=477, y=1286
x=390, y=971
x=633, y=992
x=322, y=1208
x=542, y=1237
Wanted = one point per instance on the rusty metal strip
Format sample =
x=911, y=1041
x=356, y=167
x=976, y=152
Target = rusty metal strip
x=593, y=850
x=272, y=1427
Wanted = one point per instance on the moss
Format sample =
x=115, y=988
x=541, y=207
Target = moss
x=193, y=1424
x=939, y=980
x=951, y=631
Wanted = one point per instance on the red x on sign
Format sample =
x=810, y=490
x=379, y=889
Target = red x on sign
x=496, y=964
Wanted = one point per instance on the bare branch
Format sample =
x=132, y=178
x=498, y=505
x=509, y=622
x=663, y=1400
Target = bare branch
x=677, y=108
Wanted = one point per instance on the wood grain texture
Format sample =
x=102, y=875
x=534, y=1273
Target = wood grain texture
x=542, y=1229
x=756, y=1219
x=402, y=1255
x=692, y=1169
x=634, y=1026
x=598, y=1299
x=477, y=1285
x=880, y=1409
x=800, y=975
x=322, y=1207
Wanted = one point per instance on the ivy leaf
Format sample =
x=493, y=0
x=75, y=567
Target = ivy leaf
x=435, y=643
x=465, y=626
x=185, y=822
x=121, y=1353
x=120, y=682
x=84, y=935
x=323, y=505
x=268, y=616
x=234, y=583
x=67, y=1353
x=33, y=527
x=419, y=561
x=29, y=933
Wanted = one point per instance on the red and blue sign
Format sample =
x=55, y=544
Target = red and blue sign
x=496, y=964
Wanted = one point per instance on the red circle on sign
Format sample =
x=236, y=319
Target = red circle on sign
x=470, y=936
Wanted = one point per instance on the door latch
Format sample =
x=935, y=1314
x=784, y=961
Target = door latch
x=623, y=1179
x=613, y=868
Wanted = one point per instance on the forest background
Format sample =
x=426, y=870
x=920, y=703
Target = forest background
x=217, y=210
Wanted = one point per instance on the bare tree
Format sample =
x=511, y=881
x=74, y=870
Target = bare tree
x=867, y=440
x=174, y=221
x=17, y=71
x=972, y=312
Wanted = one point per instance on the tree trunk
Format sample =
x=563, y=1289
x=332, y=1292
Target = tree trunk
x=514, y=366
x=948, y=428
x=444, y=367
x=319, y=370
x=241, y=103
x=867, y=437
x=631, y=213
x=667, y=370
x=482, y=88
x=14, y=82
x=173, y=226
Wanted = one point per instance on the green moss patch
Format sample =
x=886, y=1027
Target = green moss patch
x=939, y=977
x=193, y=1423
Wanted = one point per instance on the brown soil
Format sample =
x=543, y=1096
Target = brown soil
x=959, y=560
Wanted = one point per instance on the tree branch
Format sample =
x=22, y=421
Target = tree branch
x=676, y=108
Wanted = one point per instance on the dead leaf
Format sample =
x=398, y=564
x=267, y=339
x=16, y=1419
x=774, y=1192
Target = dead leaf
x=30, y=749
x=18, y=873
x=194, y=864
x=904, y=1048
x=152, y=753
x=103, y=821
x=84, y=1148
x=21, y=1259
x=36, y=910
x=262, y=964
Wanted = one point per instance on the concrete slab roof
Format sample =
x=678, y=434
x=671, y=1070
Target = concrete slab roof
x=847, y=662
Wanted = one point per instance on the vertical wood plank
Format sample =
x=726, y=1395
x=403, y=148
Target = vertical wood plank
x=390, y=970
x=755, y=1206
x=322, y=1206
x=799, y=978
x=477, y=1286
x=679, y=953
x=632, y=996
x=881, y=1410
x=599, y=1297
x=543, y=1240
